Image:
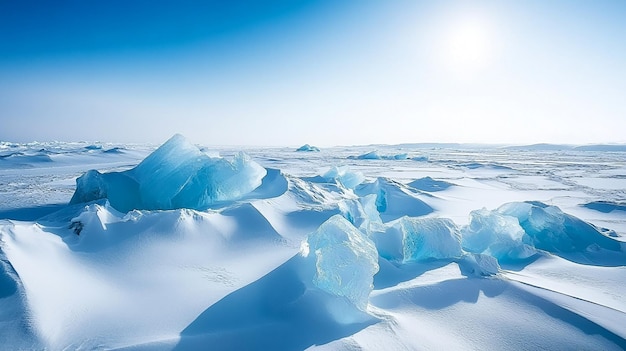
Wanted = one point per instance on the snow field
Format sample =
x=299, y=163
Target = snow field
x=394, y=253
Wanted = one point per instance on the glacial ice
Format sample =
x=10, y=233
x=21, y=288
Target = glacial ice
x=176, y=175
x=372, y=155
x=361, y=212
x=375, y=155
x=393, y=199
x=307, y=147
x=418, y=239
x=420, y=158
x=606, y=206
x=403, y=156
x=492, y=233
x=429, y=184
x=345, y=260
x=548, y=228
x=343, y=175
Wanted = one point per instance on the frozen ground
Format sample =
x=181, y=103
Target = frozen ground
x=320, y=257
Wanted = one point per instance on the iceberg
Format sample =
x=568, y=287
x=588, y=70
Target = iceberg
x=308, y=148
x=344, y=176
x=548, y=228
x=419, y=239
x=176, y=175
x=345, y=260
x=495, y=234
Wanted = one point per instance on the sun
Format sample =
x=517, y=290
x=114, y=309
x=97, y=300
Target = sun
x=467, y=45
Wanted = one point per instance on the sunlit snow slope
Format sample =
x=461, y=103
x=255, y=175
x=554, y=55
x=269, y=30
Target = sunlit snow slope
x=387, y=248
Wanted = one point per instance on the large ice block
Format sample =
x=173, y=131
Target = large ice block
x=345, y=259
x=176, y=175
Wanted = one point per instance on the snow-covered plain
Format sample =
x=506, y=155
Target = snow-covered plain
x=422, y=247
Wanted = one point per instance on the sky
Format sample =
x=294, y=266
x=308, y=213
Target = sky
x=290, y=72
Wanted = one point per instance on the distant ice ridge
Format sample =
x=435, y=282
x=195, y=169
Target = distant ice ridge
x=375, y=155
x=176, y=175
x=345, y=260
x=307, y=147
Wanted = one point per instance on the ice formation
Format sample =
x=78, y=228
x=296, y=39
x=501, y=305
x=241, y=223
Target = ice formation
x=374, y=155
x=420, y=158
x=548, y=228
x=176, y=175
x=307, y=147
x=393, y=199
x=403, y=156
x=429, y=184
x=361, y=212
x=606, y=206
x=345, y=260
x=419, y=239
x=343, y=175
x=498, y=235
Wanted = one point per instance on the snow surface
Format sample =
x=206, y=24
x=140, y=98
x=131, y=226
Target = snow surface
x=467, y=249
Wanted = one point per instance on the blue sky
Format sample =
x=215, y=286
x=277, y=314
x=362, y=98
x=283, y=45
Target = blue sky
x=318, y=72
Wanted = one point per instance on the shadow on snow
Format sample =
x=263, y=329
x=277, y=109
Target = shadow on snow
x=277, y=312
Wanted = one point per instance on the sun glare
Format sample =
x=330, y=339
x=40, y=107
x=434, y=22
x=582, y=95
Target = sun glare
x=467, y=46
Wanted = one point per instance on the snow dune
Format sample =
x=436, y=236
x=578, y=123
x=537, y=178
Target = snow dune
x=272, y=250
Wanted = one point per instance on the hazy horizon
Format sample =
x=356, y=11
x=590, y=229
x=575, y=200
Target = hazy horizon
x=420, y=144
x=318, y=72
